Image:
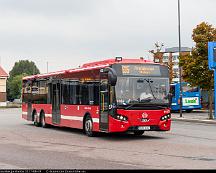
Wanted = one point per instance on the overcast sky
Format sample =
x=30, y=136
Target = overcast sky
x=68, y=33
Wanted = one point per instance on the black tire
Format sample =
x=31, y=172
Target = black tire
x=138, y=132
x=88, y=126
x=42, y=121
x=189, y=110
x=36, y=123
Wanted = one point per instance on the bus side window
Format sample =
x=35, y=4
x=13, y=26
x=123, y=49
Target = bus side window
x=42, y=92
x=96, y=94
x=91, y=94
x=35, y=92
x=65, y=93
x=73, y=88
x=84, y=94
x=26, y=91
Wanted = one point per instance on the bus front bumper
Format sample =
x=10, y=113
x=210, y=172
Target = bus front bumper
x=123, y=126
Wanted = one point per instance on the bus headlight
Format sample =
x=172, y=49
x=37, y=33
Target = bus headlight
x=166, y=117
x=120, y=117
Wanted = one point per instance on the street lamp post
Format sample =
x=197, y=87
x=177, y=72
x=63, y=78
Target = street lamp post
x=180, y=70
x=47, y=66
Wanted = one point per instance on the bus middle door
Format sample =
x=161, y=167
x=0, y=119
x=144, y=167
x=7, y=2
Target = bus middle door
x=56, y=91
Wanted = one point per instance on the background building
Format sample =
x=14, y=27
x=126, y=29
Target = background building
x=171, y=57
x=3, y=80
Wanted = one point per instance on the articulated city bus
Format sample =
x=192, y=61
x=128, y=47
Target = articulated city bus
x=191, y=97
x=114, y=95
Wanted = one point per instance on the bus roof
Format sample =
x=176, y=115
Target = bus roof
x=92, y=66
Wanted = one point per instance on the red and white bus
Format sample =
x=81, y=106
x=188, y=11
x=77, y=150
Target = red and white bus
x=114, y=95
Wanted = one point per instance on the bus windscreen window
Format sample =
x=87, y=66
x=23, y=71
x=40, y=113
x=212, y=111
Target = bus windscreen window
x=214, y=54
x=189, y=88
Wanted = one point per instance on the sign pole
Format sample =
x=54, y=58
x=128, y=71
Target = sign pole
x=212, y=66
x=180, y=70
x=215, y=94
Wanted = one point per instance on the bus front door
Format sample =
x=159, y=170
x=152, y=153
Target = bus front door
x=104, y=106
x=56, y=117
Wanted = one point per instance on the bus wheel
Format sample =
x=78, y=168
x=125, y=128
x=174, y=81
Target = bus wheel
x=43, y=122
x=36, y=123
x=138, y=132
x=88, y=126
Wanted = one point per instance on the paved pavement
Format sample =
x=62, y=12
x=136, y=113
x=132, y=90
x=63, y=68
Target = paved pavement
x=199, y=116
x=23, y=146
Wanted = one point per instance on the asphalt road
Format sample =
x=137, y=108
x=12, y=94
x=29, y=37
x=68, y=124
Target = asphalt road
x=22, y=145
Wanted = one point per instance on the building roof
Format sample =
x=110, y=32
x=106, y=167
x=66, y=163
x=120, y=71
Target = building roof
x=3, y=73
x=176, y=49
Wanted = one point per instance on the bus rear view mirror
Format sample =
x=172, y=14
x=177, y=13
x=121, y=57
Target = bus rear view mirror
x=112, y=76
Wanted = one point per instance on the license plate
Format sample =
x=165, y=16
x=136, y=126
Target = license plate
x=144, y=128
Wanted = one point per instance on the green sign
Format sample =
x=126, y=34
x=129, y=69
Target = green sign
x=190, y=101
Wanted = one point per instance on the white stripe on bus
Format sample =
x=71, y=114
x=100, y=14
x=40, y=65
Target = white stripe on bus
x=71, y=117
x=48, y=115
x=77, y=118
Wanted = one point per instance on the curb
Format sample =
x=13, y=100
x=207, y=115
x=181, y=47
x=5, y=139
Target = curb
x=195, y=120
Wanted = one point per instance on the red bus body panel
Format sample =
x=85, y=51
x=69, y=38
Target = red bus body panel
x=134, y=119
x=73, y=115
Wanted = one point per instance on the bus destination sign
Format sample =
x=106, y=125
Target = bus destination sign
x=141, y=70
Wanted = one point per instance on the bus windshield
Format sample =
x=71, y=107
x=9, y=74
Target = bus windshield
x=142, y=90
x=186, y=87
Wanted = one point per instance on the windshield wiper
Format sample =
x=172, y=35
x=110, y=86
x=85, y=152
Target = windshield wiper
x=148, y=105
x=146, y=100
x=148, y=81
x=130, y=106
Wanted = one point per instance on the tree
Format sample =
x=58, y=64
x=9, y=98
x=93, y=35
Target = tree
x=14, y=83
x=195, y=66
x=157, y=54
x=24, y=66
x=15, y=86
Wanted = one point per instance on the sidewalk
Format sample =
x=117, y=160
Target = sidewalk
x=198, y=116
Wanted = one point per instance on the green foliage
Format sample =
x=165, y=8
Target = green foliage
x=195, y=66
x=24, y=66
x=15, y=86
x=14, y=83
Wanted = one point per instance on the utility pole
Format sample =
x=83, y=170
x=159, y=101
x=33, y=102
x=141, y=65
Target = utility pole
x=180, y=70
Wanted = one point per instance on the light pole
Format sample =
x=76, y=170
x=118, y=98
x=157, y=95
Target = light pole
x=180, y=70
x=47, y=67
